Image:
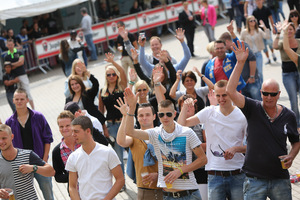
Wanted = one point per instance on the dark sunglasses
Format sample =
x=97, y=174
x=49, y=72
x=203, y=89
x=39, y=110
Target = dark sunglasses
x=272, y=94
x=293, y=15
x=217, y=153
x=161, y=115
x=253, y=20
x=144, y=90
x=113, y=74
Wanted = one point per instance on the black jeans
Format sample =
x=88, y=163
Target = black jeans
x=190, y=34
x=293, y=3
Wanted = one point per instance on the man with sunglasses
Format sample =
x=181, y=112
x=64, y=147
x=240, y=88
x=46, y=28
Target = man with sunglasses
x=225, y=128
x=269, y=126
x=173, y=145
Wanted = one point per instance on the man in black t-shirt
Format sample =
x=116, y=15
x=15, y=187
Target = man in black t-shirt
x=10, y=83
x=263, y=13
x=16, y=58
x=269, y=126
x=126, y=60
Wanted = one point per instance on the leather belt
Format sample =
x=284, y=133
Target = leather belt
x=178, y=194
x=225, y=173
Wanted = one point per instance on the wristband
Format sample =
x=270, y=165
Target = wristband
x=130, y=115
x=131, y=82
x=35, y=168
x=251, y=76
x=180, y=170
x=202, y=76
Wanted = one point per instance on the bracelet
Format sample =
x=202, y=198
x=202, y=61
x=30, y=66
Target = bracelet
x=131, y=115
x=131, y=82
x=251, y=76
x=202, y=76
x=180, y=170
x=157, y=84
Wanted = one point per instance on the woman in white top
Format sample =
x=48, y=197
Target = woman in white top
x=254, y=36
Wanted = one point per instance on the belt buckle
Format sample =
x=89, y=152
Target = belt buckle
x=176, y=195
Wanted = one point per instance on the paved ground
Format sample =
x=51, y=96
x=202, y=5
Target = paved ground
x=47, y=91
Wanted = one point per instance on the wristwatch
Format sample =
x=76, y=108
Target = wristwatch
x=35, y=168
x=157, y=84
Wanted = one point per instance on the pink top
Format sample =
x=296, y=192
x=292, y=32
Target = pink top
x=211, y=15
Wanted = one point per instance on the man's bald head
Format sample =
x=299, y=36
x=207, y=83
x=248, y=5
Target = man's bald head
x=270, y=83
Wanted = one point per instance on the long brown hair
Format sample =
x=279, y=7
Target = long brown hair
x=78, y=80
x=247, y=23
x=64, y=48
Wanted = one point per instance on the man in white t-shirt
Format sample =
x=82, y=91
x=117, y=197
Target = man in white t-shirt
x=225, y=128
x=173, y=146
x=92, y=166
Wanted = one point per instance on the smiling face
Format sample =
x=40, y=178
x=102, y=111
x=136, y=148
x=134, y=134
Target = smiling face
x=143, y=91
x=222, y=97
x=145, y=117
x=65, y=128
x=75, y=86
x=270, y=86
x=5, y=140
x=155, y=46
x=79, y=69
x=189, y=83
x=20, y=100
x=111, y=76
x=220, y=50
x=291, y=32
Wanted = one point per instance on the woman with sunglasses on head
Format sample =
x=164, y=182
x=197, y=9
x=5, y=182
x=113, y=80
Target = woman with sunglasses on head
x=254, y=36
x=114, y=85
x=78, y=68
x=189, y=81
x=290, y=74
x=294, y=17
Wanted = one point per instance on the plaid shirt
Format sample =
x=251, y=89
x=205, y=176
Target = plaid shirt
x=65, y=151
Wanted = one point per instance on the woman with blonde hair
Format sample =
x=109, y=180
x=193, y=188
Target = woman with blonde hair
x=78, y=68
x=115, y=83
x=254, y=36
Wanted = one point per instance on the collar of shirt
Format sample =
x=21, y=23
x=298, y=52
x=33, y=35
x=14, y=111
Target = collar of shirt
x=12, y=53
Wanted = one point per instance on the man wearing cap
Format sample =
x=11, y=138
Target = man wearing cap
x=86, y=27
x=76, y=42
x=10, y=83
x=16, y=58
x=32, y=131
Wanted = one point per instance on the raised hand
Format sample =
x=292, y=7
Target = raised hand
x=241, y=53
x=157, y=74
x=141, y=41
x=134, y=54
x=285, y=26
x=178, y=74
x=262, y=24
x=278, y=26
x=132, y=75
x=130, y=98
x=123, y=108
x=109, y=57
x=163, y=56
x=212, y=98
x=123, y=33
x=195, y=69
x=230, y=27
x=180, y=34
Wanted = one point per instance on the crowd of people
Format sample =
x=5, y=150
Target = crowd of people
x=223, y=139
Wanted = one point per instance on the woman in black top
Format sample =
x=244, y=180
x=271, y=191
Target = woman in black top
x=115, y=83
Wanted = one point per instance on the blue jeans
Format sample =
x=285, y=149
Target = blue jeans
x=291, y=82
x=9, y=97
x=45, y=184
x=268, y=42
x=280, y=10
x=192, y=196
x=220, y=188
x=275, y=15
x=260, y=189
x=113, y=130
x=259, y=65
x=252, y=90
x=91, y=46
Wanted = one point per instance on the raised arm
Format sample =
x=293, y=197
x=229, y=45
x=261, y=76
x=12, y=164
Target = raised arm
x=160, y=90
x=137, y=67
x=186, y=51
x=172, y=93
x=142, y=58
x=182, y=119
x=231, y=30
x=286, y=45
x=122, y=139
x=278, y=26
x=123, y=76
x=203, y=77
x=131, y=99
x=241, y=55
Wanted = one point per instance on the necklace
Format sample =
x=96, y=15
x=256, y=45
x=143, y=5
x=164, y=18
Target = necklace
x=23, y=124
x=270, y=118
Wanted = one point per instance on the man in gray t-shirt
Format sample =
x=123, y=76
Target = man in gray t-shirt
x=86, y=27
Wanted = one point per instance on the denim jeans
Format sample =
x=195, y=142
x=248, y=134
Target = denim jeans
x=252, y=90
x=280, y=9
x=259, y=65
x=9, y=97
x=291, y=82
x=275, y=15
x=45, y=184
x=192, y=196
x=260, y=189
x=113, y=130
x=268, y=42
x=91, y=46
x=220, y=188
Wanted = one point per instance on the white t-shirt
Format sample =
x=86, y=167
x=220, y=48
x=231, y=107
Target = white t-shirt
x=96, y=123
x=251, y=6
x=174, y=150
x=94, y=170
x=223, y=132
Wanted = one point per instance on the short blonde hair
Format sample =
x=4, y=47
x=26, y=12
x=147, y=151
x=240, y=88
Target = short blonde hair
x=210, y=48
x=74, y=64
x=5, y=128
x=139, y=83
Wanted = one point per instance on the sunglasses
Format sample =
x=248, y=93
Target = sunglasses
x=144, y=90
x=291, y=16
x=168, y=114
x=253, y=20
x=272, y=94
x=217, y=153
x=113, y=75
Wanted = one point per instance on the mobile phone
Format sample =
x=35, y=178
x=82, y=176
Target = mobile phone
x=142, y=35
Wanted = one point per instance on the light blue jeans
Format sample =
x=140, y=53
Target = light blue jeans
x=220, y=188
x=280, y=9
x=259, y=65
x=192, y=196
x=260, y=189
x=268, y=42
x=113, y=130
x=91, y=46
x=252, y=90
x=45, y=184
x=291, y=82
